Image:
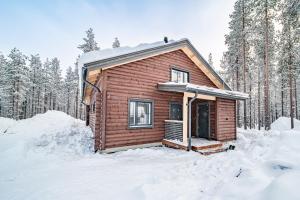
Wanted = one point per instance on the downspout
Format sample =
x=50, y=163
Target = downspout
x=89, y=83
x=190, y=121
x=94, y=86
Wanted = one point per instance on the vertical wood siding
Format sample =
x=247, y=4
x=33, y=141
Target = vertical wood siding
x=226, y=119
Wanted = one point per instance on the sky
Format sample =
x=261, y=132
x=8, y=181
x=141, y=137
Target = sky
x=55, y=28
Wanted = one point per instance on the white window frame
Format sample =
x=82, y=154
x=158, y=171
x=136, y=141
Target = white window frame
x=132, y=108
x=177, y=74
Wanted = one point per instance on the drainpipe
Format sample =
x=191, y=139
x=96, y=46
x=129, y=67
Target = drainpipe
x=190, y=121
x=89, y=83
x=87, y=106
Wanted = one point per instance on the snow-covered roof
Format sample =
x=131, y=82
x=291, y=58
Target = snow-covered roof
x=107, y=58
x=188, y=87
x=94, y=56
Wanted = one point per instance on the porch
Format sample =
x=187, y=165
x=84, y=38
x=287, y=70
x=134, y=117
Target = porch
x=200, y=145
x=207, y=117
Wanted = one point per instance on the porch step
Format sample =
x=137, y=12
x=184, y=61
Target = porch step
x=207, y=146
x=210, y=151
x=173, y=145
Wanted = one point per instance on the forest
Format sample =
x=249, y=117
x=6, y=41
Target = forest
x=29, y=86
x=262, y=59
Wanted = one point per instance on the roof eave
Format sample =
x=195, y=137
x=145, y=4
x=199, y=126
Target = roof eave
x=182, y=88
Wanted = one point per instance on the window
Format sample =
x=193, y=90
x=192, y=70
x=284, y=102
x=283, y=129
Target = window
x=175, y=111
x=179, y=76
x=94, y=107
x=140, y=113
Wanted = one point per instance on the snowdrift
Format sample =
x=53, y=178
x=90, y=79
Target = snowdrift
x=284, y=124
x=50, y=156
x=52, y=132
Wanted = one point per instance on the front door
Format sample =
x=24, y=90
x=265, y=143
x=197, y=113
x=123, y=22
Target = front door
x=203, y=120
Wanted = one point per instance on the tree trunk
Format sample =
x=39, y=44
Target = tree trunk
x=296, y=100
x=76, y=103
x=238, y=103
x=291, y=79
x=250, y=102
x=266, y=70
x=282, y=96
x=244, y=64
x=258, y=102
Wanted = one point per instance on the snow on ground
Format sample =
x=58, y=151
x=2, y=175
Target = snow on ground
x=50, y=157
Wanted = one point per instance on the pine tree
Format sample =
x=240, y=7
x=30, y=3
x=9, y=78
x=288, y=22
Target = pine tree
x=3, y=85
x=210, y=60
x=35, y=92
x=116, y=43
x=89, y=42
x=237, y=43
x=289, y=57
x=76, y=85
x=264, y=27
x=18, y=81
x=46, y=85
x=55, y=84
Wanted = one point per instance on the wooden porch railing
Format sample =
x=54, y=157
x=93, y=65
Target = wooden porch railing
x=173, y=130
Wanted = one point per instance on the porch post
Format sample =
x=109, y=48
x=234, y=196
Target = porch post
x=185, y=119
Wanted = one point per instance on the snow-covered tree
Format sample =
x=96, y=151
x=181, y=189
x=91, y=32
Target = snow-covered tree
x=238, y=49
x=116, y=43
x=55, y=84
x=36, y=80
x=289, y=53
x=18, y=84
x=3, y=85
x=210, y=60
x=264, y=16
x=89, y=42
x=70, y=86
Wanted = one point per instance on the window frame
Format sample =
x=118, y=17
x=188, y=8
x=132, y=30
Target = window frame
x=180, y=70
x=94, y=107
x=151, y=115
x=170, y=110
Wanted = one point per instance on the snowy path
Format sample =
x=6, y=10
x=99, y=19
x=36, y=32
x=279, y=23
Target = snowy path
x=49, y=163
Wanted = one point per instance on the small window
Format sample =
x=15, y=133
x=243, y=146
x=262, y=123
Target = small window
x=179, y=76
x=140, y=113
x=94, y=107
x=175, y=111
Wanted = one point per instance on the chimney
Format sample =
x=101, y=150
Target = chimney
x=166, y=39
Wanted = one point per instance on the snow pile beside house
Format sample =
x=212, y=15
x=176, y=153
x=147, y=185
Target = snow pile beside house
x=53, y=131
x=49, y=156
x=284, y=124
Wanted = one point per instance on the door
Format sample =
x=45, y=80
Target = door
x=203, y=120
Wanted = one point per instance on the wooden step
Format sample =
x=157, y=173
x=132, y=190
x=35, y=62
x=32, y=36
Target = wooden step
x=211, y=151
x=208, y=146
x=173, y=145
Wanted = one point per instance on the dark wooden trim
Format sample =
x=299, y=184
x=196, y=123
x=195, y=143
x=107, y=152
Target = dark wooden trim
x=152, y=112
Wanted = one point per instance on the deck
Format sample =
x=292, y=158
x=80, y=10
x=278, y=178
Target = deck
x=200, y=145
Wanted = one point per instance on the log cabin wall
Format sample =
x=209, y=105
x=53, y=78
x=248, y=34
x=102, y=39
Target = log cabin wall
x=226, y=119
x=139, y=80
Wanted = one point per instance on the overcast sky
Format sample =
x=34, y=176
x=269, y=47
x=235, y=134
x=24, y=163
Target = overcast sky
x=54, y=28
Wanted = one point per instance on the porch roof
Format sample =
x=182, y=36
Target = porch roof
x=188, y=87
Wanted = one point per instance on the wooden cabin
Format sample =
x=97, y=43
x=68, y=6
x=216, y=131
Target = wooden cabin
x=165, y=91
